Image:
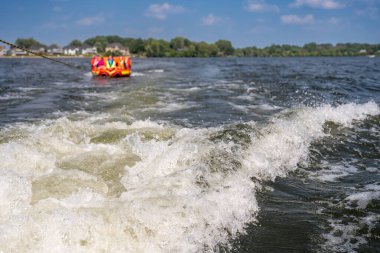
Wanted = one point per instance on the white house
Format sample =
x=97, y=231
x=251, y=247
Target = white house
x=71, y=50
x=54, y=50
x=86, y=49
x=37, y=49
x=117, y=47
x=3, y=51
x=17, y=52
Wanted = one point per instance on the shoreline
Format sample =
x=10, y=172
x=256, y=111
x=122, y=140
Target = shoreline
x=144, y=57
x=36, y=56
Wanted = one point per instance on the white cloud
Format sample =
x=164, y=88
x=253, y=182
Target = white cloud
x=371, y=12
x=297, y=20
x=94, y=20
x=261, y=6
x=323, y=4
x=210, y=19
x=161, y=11
x=332, y=21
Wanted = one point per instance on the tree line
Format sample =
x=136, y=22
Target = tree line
x=183, y=47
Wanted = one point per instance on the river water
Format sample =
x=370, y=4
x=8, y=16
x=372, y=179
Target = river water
x=191, y=155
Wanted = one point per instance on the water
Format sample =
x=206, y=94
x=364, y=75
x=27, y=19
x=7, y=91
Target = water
x=191, y=155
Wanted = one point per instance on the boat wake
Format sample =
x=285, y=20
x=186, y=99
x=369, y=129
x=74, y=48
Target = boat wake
x=95, y=184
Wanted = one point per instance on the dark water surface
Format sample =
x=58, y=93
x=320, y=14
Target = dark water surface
x=191, y=155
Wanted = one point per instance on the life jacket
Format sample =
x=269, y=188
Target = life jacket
x=94, y=62
x=100, y=62
x=128, y=62
x=121, y=62
x=110, y=64
x=117, y=62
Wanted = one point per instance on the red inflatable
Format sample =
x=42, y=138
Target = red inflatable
x=111, y=66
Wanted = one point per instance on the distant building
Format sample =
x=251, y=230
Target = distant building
x=54, y=50
x=117, y=47
x=363, y=51
x=37, y=49
x=71, y=50
x=86, y=49
x=17, y=52
x=3, y=51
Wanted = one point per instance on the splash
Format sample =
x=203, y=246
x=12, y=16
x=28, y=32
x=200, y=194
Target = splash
x=99, y=185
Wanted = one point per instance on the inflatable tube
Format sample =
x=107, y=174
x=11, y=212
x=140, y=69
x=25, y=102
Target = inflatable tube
x=111, y=66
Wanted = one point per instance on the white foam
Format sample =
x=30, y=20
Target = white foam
x=174, y=106
x=192, y=89
x=108, y=96
x=365, y=196
x=27, y=89
x=134, y=73
x=156, y=71
x=171, y=106
x=13, y=97
x=331, y=173
x=345, y=236
x=15, y=194
x=25, y=160
x=132, y=192
x=372, y=169
x=242, y=108
x=362, y=199
x=340, y=239
x=286, y=142
x=247, y=108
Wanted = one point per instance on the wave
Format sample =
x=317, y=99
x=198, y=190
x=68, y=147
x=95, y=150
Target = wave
x=96, y=184
x=134, y=73
x=156, y=71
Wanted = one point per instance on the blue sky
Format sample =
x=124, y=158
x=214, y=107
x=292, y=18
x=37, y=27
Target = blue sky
x=243, y=22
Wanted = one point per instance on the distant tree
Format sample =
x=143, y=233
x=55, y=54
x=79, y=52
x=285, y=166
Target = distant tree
x=100, y=42
x=202, y=49
x=76, y=43
x=100, y=47
x=225, y=47
x=28, y=43
x=152, y=48
x=114, y=53
x=190, y=51
x=310, y=47
x=54, y=45
x=135, y=45
x=183, y=47
x=179, y=43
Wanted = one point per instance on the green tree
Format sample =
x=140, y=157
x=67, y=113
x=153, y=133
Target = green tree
x=76, y=43
x=136, y=45
x=28, y=43
x=225, y=47
x=310, y=47
x=157, y=48
x=179, y=43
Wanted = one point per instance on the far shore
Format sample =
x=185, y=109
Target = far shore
x=49, y=56
x=58, y=57
x=143, y=56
